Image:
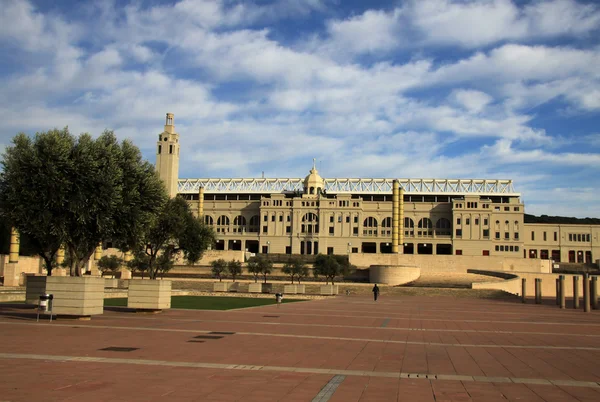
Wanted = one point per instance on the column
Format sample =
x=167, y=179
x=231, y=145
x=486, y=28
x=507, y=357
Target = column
x=395, y=215
x=201, y=202
x=401, y=220
x=12, y=273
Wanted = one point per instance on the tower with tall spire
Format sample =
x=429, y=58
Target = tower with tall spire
x=167, y=155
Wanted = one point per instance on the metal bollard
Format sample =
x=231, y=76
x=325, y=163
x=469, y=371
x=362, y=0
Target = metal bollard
x=594, y=292
x=523, y=290
x=558, y=290
x=561, y=288
x=586, y=293
x=576, y=291
x=538, y=291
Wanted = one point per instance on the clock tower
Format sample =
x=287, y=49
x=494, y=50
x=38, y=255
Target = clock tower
x=167, y=156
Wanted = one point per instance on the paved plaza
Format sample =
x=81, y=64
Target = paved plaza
x=344, y=349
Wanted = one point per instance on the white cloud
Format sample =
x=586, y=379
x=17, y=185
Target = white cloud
x=473, y=101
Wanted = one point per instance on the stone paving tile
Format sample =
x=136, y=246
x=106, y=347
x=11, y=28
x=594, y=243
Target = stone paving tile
x=476, y=345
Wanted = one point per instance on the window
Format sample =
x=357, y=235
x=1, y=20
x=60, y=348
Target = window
x=356, y=219
x=516, y=235
x=265, y=229
x=458, y=221
x=266, y=218
x=288, y=229
x=501, y=248
x=570, y=236
x=516, y=248
x=485, y=222
x=289, y=218
x=506, y=235
x=331, y=219
x=170, y=149
x=532, y=235
x=486, y=233
x=458, y=232
x=272, y=218
x=485, y=252
x=329, y=250
x=458, y=252
x=467, y=221
x=348, y=219
x=340, y=218
x=497, y=248
x=516, y=209
x=331, y=230
x=507, y=209
x=288, y=249
x=355, y=231
x=555, y=236
x=476, y=221
x=497, y=235
x=545, y=237
x=159, y=148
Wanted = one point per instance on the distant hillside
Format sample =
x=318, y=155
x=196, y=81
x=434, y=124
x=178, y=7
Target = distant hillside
x=561, y=219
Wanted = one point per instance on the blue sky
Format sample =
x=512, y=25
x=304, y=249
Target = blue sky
x=405, y=89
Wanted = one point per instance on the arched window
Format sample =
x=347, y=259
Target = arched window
x=370, y=226
x=425, y=227
x=310, y=223
x=442, y=227
x=208, y=220
x=254, y=224
x=386, y=226
x=223, y=224
x=409, y=227
x=239, y=224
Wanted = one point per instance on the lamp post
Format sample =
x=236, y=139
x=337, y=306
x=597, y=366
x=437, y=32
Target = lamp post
x=268, y=247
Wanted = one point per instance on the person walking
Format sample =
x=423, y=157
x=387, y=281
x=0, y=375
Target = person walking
x=375, y=292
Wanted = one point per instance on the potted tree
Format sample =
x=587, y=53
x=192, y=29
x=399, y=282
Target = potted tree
x=234, y=268
x=259, y=265
x=295, y=268
x=218, y=269
x=330, y=266
x=59, y=189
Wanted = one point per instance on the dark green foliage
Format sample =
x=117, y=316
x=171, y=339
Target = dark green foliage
x=109, y=265
x=260, y=265
x=218, y=268
x=561, y=220
x=58, y=189
x=331, y=266
x=175, y=230
x=234, y=268
x=295, y=268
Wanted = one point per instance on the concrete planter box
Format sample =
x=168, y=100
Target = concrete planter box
x=255, y=288
x=75, y=296
x=329, y=290
x=226, y=286
x=289, y=289
x=149, y=294
x=294, y=289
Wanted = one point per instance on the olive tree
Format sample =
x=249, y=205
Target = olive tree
x=175, y=230
x=295, y=268
x=234, y=268
x=109, y=265
x=59, y=189
x=331, y=266
x=218, y=268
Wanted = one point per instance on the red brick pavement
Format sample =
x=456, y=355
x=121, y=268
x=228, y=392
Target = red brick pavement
x=396, y=349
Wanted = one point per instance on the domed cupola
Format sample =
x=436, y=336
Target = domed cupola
x=313, y=183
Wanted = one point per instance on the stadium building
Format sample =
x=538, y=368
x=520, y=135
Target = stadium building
x=374, y=218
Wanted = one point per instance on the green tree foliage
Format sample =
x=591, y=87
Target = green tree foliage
x=331, y=266
x=260, y=265
x=254, y=268
x=77, y=191
x=109, y=265
x=218, y=268
x=139, y=263
x=175, y=230
x=295, y=268
x=234, y=268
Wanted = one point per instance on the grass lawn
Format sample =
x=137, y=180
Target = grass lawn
x=208, y=302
